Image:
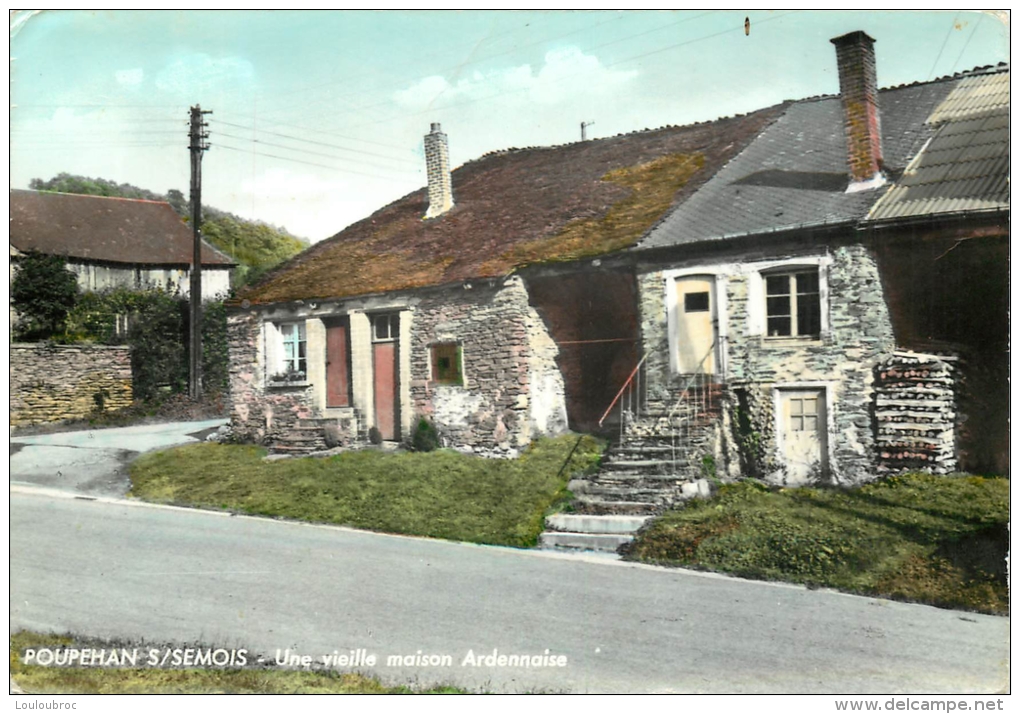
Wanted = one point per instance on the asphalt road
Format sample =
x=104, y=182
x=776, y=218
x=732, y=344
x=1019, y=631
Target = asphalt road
x=114, y=569
x=92, y=461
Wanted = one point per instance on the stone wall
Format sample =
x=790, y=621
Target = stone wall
x=842, y=361
x=511, y=391
x=259, y=412
x=57, y=382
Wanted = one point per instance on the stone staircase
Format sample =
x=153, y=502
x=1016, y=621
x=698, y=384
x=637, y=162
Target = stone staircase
x=307, y=436
x=655, y=464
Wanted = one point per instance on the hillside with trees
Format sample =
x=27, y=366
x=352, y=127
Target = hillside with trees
x=256, y=246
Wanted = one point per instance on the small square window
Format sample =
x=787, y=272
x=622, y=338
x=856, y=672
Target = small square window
x=293, y=362
x=446, y=363
x=696, y=302
x=385, y=327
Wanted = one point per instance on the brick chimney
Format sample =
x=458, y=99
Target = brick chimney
x=437, y=163
x=858, y=89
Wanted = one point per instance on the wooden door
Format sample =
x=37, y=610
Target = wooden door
x=384, y=365
x=695, y=335
x=803, y=444
x=338, y=369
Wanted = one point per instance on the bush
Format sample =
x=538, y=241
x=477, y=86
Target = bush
x=154, y=323
x=43, y=291
x=375, y=436
x=426, y=438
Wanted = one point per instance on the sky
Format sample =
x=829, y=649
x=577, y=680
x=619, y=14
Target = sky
x=318, y=117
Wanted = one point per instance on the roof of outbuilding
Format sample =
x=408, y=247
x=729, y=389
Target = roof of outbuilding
x=965, y=166
x=100, y=228
x=795, y=174
x=516, y=208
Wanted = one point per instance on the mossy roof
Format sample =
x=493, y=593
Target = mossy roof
x=516, y=208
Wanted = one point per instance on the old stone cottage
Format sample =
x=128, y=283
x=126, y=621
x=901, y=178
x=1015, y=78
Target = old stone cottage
x=756, y=295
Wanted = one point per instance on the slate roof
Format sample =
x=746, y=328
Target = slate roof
x=516, y=208
x=965, y=166
x=795, y=174
x=99, y=228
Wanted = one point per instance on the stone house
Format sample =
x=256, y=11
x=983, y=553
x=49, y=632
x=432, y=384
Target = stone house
x=481, y=303
x=114, y=242
x=832, y=304
x=758, y=295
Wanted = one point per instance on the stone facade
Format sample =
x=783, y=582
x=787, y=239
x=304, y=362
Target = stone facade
x=510, y=389
x=57, y=382
x=840, y=362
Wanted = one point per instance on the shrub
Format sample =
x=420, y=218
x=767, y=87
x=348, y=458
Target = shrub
x=426, y=438
x=43, y=291
x=375, y=436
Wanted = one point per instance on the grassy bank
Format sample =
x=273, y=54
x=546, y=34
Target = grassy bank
x=442, y=494
x=940, y=540
x=35, y=679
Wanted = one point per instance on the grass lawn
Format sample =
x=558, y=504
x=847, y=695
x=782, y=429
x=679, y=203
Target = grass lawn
x=940, y=540
x=441, y=494
x=35, y=679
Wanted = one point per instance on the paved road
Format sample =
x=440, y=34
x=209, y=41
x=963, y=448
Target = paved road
x=92, y=462
x=115, y=569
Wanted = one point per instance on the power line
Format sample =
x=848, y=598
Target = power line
x=459, y=66
x=433, y=110
x=299, y=161
x=944, y=42
x=318, y=143
x=967, y=43
x=304, y=151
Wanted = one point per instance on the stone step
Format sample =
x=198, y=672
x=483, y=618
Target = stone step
x=623, y=492
x=648, y=465
x=596, y=506
x=588, y=523
x=602, y=542
x=293, y=449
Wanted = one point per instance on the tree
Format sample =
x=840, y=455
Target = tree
x=43, y=291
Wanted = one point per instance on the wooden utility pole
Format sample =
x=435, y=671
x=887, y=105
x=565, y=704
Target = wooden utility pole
x=197, y=145
x=584, y=129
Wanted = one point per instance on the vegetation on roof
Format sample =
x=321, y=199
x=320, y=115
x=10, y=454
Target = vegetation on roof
x=653, y=187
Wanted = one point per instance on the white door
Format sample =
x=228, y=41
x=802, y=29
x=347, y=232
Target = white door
x=695, y=310
x=803, y=446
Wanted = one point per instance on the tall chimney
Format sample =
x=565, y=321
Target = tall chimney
x=437, y=164
x=858, y=89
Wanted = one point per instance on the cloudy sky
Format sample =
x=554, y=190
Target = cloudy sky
x=318, y=116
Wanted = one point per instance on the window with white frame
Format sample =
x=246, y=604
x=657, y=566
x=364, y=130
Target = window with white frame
x=291, y=364
x=793, y=304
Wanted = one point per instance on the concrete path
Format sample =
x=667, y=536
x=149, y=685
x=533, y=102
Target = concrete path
x=121, y=569
x=92, y=461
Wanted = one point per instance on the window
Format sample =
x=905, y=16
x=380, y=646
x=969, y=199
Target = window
x=293, y=363
x=446, y=363
x=385, y=327
x=696, y=302
x=793, y=305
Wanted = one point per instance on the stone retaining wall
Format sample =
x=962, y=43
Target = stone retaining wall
x=59, y=382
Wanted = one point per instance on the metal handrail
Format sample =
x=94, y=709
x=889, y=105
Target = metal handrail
x=697, y=373
x=622, y=389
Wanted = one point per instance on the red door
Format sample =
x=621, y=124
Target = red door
x=384, y=364
x=338, y=375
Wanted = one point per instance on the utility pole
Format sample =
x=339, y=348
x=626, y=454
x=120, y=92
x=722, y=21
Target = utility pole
x=584, y=129
x=197, y=145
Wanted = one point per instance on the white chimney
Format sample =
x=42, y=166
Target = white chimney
x=437, y=163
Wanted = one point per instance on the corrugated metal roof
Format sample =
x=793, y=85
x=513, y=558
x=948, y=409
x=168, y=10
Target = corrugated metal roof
x=795, y=173
x=115, y=230
x=965, y=165
x=974, y=95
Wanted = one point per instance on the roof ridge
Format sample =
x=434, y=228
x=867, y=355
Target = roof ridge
x=637, y=132
x=93, y=195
